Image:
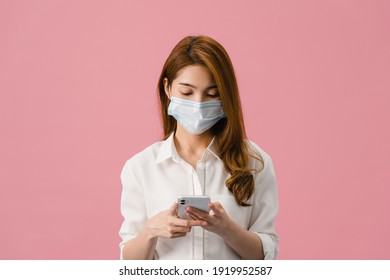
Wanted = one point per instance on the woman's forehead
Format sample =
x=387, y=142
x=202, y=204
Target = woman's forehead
x=196, y=75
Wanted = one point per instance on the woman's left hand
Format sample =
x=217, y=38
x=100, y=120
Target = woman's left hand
x=218, y=221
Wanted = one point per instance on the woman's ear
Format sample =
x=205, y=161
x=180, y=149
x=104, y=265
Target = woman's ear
x=166, y=88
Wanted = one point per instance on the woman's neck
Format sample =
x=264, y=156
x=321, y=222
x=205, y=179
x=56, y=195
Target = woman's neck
x=191, y=147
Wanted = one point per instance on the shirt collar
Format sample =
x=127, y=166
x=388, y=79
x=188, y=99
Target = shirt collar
x=212, y=149
x=168, y=150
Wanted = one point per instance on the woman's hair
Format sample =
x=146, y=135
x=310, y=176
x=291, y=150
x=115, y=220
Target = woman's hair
x=229, y=132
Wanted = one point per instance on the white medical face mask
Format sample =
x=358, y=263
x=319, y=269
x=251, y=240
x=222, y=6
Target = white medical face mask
x=196, y=117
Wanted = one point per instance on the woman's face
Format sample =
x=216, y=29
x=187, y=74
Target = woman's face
x=193, y=82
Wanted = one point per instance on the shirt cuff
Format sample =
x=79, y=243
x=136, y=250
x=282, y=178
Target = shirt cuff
x=270, y=248
x=121, y=256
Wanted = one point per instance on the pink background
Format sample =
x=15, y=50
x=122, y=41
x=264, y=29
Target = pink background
x=78, y=83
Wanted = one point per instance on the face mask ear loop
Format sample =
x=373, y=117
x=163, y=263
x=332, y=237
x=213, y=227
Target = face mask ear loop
x=170, y=91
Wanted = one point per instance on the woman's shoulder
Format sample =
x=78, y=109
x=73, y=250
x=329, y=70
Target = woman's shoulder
x=265, y=177
x=254, y=149
x=145, y=156
x=259, y=158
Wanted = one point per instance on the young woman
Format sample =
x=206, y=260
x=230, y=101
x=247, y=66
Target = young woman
x=204, y=152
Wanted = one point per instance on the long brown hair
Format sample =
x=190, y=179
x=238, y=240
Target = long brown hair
x=229, y=132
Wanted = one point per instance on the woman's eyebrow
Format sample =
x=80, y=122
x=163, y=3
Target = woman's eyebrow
x=192, y=86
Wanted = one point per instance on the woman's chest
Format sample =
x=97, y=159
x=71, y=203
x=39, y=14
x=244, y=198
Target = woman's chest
x=165, y=184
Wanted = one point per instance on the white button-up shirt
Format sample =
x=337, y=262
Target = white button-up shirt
x=154, y=178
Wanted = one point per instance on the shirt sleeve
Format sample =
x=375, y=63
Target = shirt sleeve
x=264, y=209
x=133, y=207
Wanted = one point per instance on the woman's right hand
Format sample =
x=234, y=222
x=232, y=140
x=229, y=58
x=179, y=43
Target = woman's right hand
x=166, y=224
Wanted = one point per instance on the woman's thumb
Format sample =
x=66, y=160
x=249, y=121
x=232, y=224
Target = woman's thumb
x=173, y=209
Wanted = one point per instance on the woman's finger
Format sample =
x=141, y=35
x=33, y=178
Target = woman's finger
x=216, y=208
x=193, y=216
x=175, y=235
x=173, y=209
x=176, y=229
x=198, y=213
x=187, y=223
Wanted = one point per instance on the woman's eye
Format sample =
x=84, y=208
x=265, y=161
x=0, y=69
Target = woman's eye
x=214, y=95
x=185, y=93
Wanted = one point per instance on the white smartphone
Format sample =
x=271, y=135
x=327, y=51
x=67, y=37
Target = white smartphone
x=200, y=202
